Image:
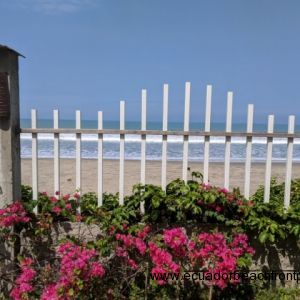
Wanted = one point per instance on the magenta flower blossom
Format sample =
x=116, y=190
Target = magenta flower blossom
x=13, y=214
x=24, y=282
x=77, y=263
x=177, y=240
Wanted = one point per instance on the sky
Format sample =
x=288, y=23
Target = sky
x=90, y=54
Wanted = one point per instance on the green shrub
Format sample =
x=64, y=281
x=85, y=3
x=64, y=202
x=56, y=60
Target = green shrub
x=278, y=294
x=187, y=205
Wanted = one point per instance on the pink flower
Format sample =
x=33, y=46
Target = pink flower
x=97, y=270
x=140, y=245
x=76, y=195
x=66, y=197
x=223, y=190
x=239, y=202
x=111, y=230
x=23, y=284
x=230, y=198
x=77, y=264
x=26, y=262
x=250, y=250
x=214, y=251
x=176, y=239
x=191, y=245
x=128, y=240
x=159, y=273
x=56, y=210
x=132, y=264
x=13, y=214
x=206, y=186
x=50, y=293
x=144, y=232
x=218, y=208
x=69, y=206
x=53, y=199
x=120, y=252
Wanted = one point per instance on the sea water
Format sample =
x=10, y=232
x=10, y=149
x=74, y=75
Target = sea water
x=154, y=143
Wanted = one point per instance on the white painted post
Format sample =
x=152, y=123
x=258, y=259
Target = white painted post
x=228, y=140
x=248, y=151
x=186, y=128
x=269, y=159
x=122, y=154
x=143, y=144
x=34, y=155
x=165, y=137
x=100, y=159
x=56, y=152
x=289, y=162
x=78, y=155
x=207, y=129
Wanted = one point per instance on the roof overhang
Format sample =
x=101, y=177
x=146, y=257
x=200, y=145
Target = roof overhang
x=5, y=48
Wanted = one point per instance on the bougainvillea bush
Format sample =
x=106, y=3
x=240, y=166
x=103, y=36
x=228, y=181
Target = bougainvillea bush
x=137, y=262
x=189, y=228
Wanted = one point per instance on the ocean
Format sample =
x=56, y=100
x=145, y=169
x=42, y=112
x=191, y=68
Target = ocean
x=153, y=149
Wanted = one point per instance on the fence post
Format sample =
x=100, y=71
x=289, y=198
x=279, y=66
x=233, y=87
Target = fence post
x=10, y=163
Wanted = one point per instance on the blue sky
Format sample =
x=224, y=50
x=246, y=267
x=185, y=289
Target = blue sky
x=89, y=55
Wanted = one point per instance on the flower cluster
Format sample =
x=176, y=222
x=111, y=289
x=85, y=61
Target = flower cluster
x=177, y=240
x=215, y=255
x=210, y=253
x=224, y=202
x=128, y=242
x=13, y=214
x=78, y=267
x=61, y=202
x=163, y=262
x=59, y=206
x=24, y=283
x=173, y=250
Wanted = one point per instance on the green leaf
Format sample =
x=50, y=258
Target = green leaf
x=263, y=236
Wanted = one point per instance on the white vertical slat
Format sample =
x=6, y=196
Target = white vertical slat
x=269, y=159
x=248, y=152
x=289, y=161
x=165, y=137
x=56, y=152
x=228, y=140
x=34, y=155
x=78, y=151
x=186, y=128
x=122, y=148
x=143, y=144
x=100, y=159
x=207, y=129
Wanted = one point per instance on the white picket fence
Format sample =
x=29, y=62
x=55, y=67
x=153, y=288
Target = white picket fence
x=186, y=133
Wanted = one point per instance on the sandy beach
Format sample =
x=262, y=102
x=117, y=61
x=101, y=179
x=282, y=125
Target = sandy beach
x=132, y=174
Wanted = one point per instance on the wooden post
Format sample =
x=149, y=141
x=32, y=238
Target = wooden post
x=10, y=163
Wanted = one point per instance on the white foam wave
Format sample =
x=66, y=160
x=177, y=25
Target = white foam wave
x=113, y=138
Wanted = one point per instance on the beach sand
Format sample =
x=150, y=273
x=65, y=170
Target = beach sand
x=132, y=174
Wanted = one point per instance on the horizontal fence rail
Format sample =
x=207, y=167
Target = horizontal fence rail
x=186, y=133
x=166, y=132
